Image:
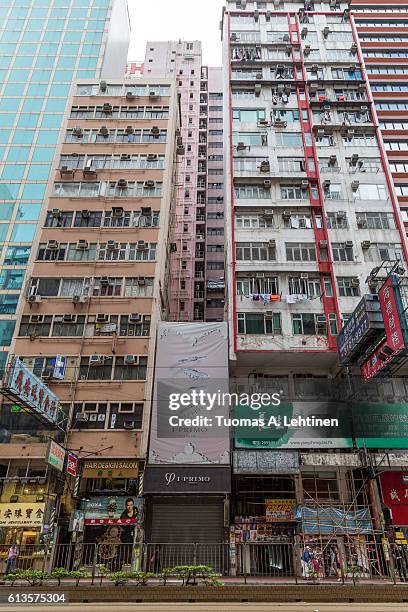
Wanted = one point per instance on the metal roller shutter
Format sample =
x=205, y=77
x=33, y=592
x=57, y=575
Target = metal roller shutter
x=178, y=522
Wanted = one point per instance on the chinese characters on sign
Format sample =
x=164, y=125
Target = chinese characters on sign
x=113, y=510
x=21, y=515
x=72, y=464
x=395, y=325
x=395, y=495
x=25, y=387
x=278, y=510
x=55, y=455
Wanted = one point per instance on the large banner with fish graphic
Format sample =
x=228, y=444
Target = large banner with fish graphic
x=191, y=366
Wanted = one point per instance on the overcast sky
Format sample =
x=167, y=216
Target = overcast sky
x=174, y=19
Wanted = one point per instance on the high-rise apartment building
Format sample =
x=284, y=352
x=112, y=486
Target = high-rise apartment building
x=382, y=31
x=197, y=280
x=95, y=291
x=311, y=210
x=44, y=46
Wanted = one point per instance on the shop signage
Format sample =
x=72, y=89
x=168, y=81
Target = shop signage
x=279, y=510
x=24, y=387
x=395, y=326
x=112, y=510
x=113, y=468
x=194, y=479
x=77, y=521
x=21, y=515
x=72, y=464
x=395, y=496
x=364, y=324
x=55, y=455
x=265, y=462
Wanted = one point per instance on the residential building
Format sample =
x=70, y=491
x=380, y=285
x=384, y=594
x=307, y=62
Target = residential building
x=197, y=280
x=96, y=289
x=310, y=210
x=44, y=46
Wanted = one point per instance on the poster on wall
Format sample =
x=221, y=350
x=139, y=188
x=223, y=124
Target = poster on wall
x=279, y=510
x=190, y=357
x=112, y=510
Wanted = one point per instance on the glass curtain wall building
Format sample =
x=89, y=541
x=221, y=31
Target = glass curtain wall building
x=44, y=46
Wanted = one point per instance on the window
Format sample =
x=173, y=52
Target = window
x=258, y=284
x=40, y=328
x=372, y=192
x=133, y=371
x=294, y=193
x=342, y=252
x=288, y=139
x=300, y=252
x=375, y=220
x=308, y=324
x=383, y=252
x=17, y=256
x=348, y=287
x=337, y=220
x=248, y=115
x=253, y=323
x=255, y=139
x=63, y=327
x=96, y=371
x=298, y=221
x=311, y=286
x=333, y=192
x=253, y=221
x=256, y=251
x=139, y=287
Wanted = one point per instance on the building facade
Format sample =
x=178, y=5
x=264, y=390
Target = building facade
x=197, y=280
x=310, y=210
x=44, y=46
x=95, y=292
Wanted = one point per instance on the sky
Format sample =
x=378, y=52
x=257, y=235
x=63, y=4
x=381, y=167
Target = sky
x=173, y=19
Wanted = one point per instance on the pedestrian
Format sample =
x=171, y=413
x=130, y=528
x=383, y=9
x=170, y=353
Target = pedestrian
x=400, y=563
x=306, y=559
x=12, y=555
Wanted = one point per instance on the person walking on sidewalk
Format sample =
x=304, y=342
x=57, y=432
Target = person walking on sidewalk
x=12, y=555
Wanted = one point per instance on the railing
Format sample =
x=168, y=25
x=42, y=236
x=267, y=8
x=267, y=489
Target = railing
x=336, y=560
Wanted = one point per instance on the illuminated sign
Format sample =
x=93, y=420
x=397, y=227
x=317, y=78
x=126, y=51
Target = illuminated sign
x=24, y=387
x=395, y=327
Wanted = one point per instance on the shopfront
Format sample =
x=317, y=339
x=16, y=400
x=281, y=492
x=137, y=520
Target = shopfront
x=394, y=489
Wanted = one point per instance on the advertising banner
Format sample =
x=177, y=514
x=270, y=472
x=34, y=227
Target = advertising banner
x=190, y=357
x=192, y=479
x=112, y=510
x=279, y=510
x=21, y=384
x=22, y=515
x=377, y=425
x=77, y=521
x=55, y=455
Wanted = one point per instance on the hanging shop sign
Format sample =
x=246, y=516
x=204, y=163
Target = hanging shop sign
x=55, y=455
x=396, y=334
x=112, y=510
x=362, y=328
x=22, y=386
x=72, y=464
x=395, y=495
x=191, y=479
x=279, y=510
x=22, y=515
x=110, y=468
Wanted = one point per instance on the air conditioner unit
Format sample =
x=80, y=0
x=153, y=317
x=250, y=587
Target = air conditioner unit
x=104, y=130
x=355, y=283
x=258, y=89
x=314, y=68
x=181, y=150
x=85, y=213
x=152, y=157
x=82, y=245
x=349, y=244
x=149, y=184
x=306, y=50
x=141, y=245
x=81, y=417
x=355, y=185
x=125, y=157
x=361, y=222
x=320, y=133
x=353, y=48
x=286, y=38
x=103, y=86
x=130, y=95
x=107, y=108
x=111, y=245
x=263, y=123
x=354, y=159
x=326, y=184
x=36, y=318
x=104, y=280
x=340, y=214
x=56, y=213
x=268, y=314
x=52, y=245
x=241, y=146
x=265, y=166
x=122, y=183
x=305, y=183
x=79, y=299
x=130, y=359
x=46, y=375
x=63, y=169
x=95, y=360
x=332, y=160
x=279, y=123
x=102, y=318
x=141, y=281
x=323, y=244
x=34, y=299
x=146, y=211
x=78, y=131
x=68, y=318
x=268, y=214
x=117, y=211
x=155, y=131
x=129, y=130
x=271, y=243
x=326, y=32
x=153, y=95
x=233, y=36
x=267, y=184
x=304, y=275
x=366, y=244
x=303, y=32
x=135, y=317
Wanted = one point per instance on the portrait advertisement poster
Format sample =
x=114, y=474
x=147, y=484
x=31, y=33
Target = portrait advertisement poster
x=112, y=510
x=190, y=356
